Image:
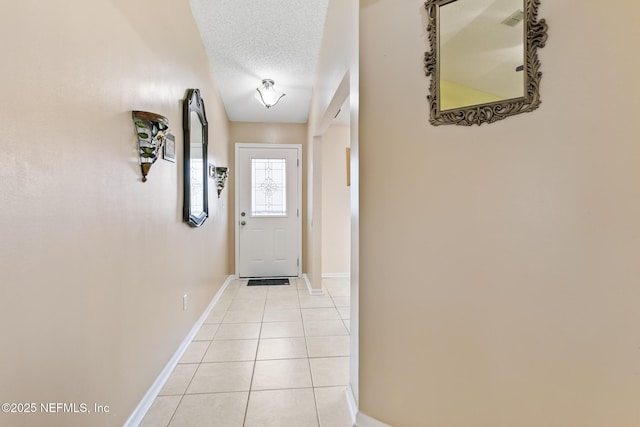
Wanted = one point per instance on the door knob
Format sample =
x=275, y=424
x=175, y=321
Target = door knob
x=243, y=213
x=243, y=223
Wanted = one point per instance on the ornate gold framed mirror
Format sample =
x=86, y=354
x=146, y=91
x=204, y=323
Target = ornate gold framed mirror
x=483, y=60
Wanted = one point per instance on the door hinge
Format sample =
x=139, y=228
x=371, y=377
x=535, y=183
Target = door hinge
x=298, y=212
x=298, y=162
x=298, y=263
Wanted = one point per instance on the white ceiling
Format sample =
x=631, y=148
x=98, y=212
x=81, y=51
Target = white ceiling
x=248, y=41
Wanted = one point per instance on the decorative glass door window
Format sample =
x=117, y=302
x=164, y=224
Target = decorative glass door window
x=268, y=187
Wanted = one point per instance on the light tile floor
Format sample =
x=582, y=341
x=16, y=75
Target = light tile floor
x=266, y=356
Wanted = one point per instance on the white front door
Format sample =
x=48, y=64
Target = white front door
x=268, y=221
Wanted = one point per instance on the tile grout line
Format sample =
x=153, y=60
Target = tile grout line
x=192, y=377
x=306, y=342
x=255, y=361
x=270, y=292
x=175, y=410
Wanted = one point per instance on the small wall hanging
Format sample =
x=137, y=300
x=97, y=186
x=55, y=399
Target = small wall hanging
x=152, y=130
x=221, y=179
x=169, y=148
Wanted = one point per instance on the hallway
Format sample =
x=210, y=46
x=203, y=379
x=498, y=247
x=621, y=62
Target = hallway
x=265, y=356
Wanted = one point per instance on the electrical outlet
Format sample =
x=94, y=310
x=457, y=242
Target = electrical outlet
x=185, y=301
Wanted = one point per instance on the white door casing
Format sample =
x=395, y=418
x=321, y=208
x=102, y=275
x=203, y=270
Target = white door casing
x=268, y=210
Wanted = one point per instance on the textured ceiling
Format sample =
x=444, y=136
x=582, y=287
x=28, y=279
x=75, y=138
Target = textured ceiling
x=248, y=41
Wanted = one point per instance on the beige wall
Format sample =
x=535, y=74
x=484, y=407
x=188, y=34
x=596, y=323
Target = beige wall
x=93, y=262
x=336, y=230
x=268, y=133
x=499, y=264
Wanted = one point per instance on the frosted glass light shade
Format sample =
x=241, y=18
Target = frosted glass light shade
x=267, y=95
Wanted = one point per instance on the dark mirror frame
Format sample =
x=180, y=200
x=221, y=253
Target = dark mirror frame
x=534, y=35
x=194, y=103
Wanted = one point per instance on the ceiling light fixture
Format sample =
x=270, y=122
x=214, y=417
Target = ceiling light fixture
x=267, y=95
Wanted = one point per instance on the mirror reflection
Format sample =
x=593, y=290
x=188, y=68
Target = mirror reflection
x=196, y=160
x=483, y=60
x=481, y=52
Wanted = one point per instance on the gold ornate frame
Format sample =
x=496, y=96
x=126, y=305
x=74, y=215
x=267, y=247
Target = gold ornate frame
x=535, y=34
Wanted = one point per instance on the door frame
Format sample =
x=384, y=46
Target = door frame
x=236, y=219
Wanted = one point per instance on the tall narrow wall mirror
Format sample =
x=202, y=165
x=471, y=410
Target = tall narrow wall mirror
x=483, y=60
x=196, y=203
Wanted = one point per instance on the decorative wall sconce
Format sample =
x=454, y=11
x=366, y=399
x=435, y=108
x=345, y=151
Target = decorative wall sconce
x=267, y=95
x=221, y=179
x=152, y=130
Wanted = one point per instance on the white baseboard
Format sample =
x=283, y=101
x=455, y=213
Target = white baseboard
x=314, y=292
x=353, y=405
x=363, y=420
x=336, y=275
x=358, y=418
x=148, y=399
